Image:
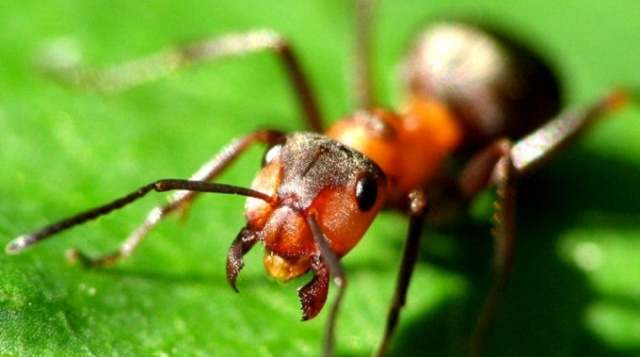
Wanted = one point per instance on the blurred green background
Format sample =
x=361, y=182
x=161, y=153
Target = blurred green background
x=575, y=289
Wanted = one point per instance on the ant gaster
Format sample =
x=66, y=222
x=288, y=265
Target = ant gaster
x=475, y=97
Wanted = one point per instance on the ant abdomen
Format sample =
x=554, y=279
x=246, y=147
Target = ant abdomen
x=495, y=86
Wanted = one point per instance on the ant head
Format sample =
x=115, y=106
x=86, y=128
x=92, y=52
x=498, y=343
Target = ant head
x=312, y=176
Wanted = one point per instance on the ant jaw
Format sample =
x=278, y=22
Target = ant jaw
x=245, y=240
x=313, y=295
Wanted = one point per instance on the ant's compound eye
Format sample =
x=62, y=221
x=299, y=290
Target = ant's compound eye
x=366, y=192
x=271, y=154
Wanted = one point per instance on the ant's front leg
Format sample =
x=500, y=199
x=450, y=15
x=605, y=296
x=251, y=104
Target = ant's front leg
x=417, y=209
x=129, y=74
x=181, y=199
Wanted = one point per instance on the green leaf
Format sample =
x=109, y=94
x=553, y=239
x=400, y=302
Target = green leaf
x=575, y=289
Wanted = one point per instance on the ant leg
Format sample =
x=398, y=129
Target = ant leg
x=494, y=166
x=181, y=199
x=363, y=59
x=500, y=164
x=417, y=206
x=532, y=150
x=535, y=148
x=314, y=294
x=138, y=71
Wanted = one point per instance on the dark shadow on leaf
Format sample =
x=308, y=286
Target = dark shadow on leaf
x=543, y=313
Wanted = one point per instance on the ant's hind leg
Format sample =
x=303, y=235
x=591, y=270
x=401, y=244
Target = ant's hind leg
x=65, y=67
x=494, y=166
x=535, y=148
x=181, y=200
x=500, y=164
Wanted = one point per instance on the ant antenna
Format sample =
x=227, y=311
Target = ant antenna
x=25, y=241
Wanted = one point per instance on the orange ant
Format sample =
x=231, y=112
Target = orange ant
x=476, y=98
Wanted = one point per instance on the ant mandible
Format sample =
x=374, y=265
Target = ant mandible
x=476, y=98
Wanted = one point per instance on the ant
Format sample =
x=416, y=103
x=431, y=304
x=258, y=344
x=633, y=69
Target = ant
x=476, y=98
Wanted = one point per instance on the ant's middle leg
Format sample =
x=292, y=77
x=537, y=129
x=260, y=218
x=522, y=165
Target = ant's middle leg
x=131, y=73
x=181, y=200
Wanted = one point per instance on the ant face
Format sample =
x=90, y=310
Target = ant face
x=312, y=175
